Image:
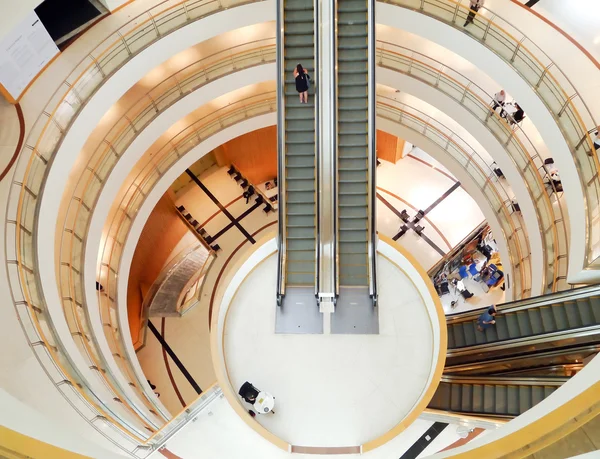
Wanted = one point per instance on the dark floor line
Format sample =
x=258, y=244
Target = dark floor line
x=173, y=356
x=442, y=197
x=168, y=367
x=410, y=225
x=212, y=197
x=419, y=446
x=19, y=142
x=229, y=226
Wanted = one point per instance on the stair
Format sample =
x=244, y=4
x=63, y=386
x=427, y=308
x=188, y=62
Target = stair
x=352, y=124
x=300, y=169
x=493, y=396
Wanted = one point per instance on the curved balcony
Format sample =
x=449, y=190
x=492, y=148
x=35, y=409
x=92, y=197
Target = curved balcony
x=34, y=169
x=552, y=86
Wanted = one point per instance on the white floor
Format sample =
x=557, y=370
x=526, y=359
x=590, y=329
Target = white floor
x=331, y=390
x=219, y=433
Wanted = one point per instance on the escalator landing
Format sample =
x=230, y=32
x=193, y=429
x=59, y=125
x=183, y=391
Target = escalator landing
x=354, y=313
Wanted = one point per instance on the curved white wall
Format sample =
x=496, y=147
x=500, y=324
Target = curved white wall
x=106, y=96
x=461, y=44
x=118, y=176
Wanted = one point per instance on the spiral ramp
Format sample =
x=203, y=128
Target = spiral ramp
x=69, y=354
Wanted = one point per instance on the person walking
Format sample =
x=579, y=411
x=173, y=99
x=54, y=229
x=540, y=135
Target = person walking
x=486, y=320
x=499, y=100
x=474, y=6
x=301, y=76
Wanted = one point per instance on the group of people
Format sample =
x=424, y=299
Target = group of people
x=511, y=111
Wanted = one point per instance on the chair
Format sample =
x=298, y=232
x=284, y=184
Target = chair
x=244, y=183
x=418, y=217
x=268, y=208
x=216, y=247
x=181, y=209
x=548, y=161
x=248, y=392
x=404, y=216
x=462, y=271
x=473, y=270
x=419, y=229
x=231, y=170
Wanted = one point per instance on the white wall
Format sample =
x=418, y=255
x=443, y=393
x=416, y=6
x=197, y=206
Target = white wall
x=12, y=12
x=112, y=5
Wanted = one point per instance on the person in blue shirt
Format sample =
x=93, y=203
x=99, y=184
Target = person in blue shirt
x=486, y=319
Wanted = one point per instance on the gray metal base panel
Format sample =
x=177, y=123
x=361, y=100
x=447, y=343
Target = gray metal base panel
x=354, y=313
x=299, y=313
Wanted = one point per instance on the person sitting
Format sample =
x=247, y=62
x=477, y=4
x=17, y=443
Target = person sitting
x=487, y=319
x=460, y=286
x=518, y=115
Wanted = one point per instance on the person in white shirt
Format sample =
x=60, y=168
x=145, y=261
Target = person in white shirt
x=498, y=101
x=597, y=139
x=474, y=5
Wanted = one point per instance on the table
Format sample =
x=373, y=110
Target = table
x=264, y=403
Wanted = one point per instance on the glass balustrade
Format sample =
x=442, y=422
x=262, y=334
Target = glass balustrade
x=89, y=186
x=482, y=175
x=47, y=132
x=521, y=150
x=550, y=83
x=125, y=425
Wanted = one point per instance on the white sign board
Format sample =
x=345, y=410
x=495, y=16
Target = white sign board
x=24, y=52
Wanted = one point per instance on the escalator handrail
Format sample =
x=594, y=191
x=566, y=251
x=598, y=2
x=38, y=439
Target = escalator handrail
x=333, y=100
x=281, y=208
x=506, y=380
x=541, y=300
x=372, y=151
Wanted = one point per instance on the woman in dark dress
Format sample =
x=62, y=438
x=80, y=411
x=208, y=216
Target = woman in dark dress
x=301, y=77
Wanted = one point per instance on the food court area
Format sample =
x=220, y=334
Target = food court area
x=471, y=276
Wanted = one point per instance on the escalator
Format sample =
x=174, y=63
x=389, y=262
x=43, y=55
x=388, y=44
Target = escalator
x=533, y=325
x=355, y=87
x=496, y=397
x=561, y=362
x=296, y=145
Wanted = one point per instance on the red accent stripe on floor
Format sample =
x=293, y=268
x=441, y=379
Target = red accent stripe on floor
x=168, y=454
x=166, y=359
x=19, y=143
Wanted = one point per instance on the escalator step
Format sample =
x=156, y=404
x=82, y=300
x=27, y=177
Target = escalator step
x=524, y=398
x=478, y=398
x=585, y=311
x=489, y=398
x=451, y=344
x=524, y=323
x=547, y=319
x=501, y=405
x=470, y=334
x=491, y=335
x=595, y=305
x=537, y=395
x=573, y=316
x=535, y=318
x=501, y=328
x=512, y=400
x=466, y=398
x=455, y=397
x=444, y=395
x=512, y=325
x=480, y=337
x=459, y=336
x=560, y=317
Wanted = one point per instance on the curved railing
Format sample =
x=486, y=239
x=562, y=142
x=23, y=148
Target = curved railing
x=483, y=176
x=515, y=142
x=550, y=83
x=45, y=135
x=90, y=184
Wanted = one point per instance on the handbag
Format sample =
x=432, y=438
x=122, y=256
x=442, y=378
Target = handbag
x=307, y=76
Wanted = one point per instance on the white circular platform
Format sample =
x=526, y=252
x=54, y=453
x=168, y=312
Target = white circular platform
x=332, y=390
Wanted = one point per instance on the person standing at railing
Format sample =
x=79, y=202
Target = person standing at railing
x=474, y=5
